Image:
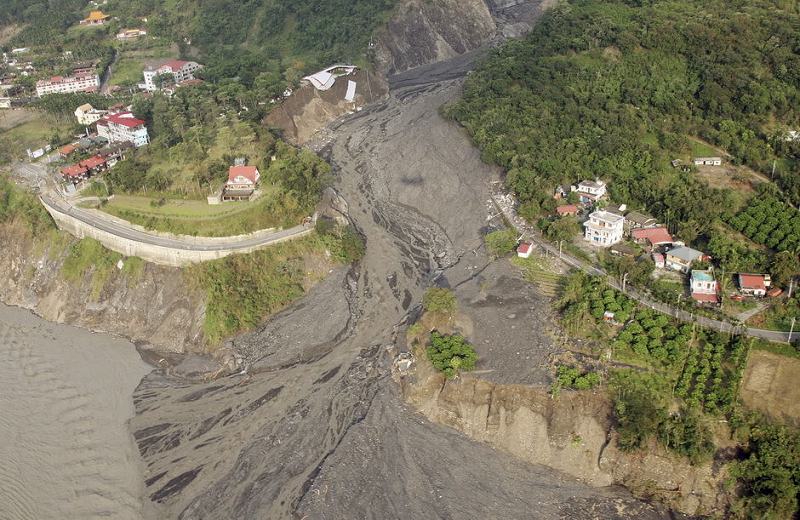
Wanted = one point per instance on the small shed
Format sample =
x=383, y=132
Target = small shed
x=524, y=249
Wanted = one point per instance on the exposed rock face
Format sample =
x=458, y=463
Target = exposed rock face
x=571, y=434
x=156, y=308
x=424, y=31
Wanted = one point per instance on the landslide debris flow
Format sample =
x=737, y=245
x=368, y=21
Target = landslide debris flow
x=315, y=428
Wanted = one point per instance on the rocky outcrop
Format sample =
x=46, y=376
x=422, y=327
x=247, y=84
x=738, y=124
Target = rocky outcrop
x=153, y=306
x=425, y=31
x=571, y=433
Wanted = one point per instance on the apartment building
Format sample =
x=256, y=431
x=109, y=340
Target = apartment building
x=604, y=228
x=67, y=84
x=123, y=127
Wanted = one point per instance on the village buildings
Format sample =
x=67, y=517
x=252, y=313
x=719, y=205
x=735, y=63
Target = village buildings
x=704, y=288
x=121, y=127
x=179, y=70
x=681, y=258
x=707, y=161
x=638, y=220
x=754, y=284
x=95, y=18
x=242, y=181
x=568, y=210
x=652, y=237
x=604, y=228
x=590, y=192
x=66, y=84
x=86, y=114
x=131, y=34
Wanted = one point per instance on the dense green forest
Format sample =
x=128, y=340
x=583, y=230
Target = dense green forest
x=615, y=89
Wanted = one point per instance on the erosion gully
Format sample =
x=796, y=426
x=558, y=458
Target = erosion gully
x=314, y=426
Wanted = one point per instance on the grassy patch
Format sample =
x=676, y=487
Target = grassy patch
x=783, y=349
x=127, y=71
x=241, y=290
x=540, y=272
x=89, y=256
x=37, y=132
x=197, y=218
x=702, y=149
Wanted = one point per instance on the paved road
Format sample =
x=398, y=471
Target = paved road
x=507, y=205
x=136, y=235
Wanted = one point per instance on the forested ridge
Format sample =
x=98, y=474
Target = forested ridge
x=615, y=89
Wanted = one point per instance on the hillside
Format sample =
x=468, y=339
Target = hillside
x=617, y=89
x=235, y=39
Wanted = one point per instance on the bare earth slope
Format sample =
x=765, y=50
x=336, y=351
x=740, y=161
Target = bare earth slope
x=314, y=428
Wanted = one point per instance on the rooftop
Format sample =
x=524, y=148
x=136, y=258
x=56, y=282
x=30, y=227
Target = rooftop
x=122, y=118
x=607, y=216
x=655, y=236
x=686, y=254
x=752, y=281
x=248, y=172
x=702, y=276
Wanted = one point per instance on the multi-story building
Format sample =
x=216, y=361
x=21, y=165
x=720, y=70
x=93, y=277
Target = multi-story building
x=590, y=192
x=86, y=114
x=121, y=127
x=604, y=228
x=66, y=84
x=704, y=287
x=179, y=70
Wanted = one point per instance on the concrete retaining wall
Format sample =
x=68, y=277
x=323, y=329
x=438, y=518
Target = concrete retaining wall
x=162, y=255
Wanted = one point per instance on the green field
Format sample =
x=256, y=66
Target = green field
x=36, y=132
x=127, y=71
x=196, y=217
x=539, y=271
x=701, y=149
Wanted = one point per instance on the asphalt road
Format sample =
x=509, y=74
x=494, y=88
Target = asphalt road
x=522, y=227
x=129, y=233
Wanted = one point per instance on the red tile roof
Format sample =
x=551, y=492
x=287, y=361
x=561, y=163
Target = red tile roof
x=524, y=247
x=248, y=172
x=656, y=236
x=175, y=65
x=704, y=298
x=74, y=170
x=752, y=281
x=92, y=162
x=66, y=149
x=569, y=209
x=122, y=118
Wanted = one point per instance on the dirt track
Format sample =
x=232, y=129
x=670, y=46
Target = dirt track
x=314, y=428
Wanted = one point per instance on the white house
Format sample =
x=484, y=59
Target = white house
x=704, y=287
x=179, y=70
x=242, y=181
x=524, y=249
x=66, y=84
x=590, y=191
x=324, y=79
x=707, y=161
x=604, y=228
x=86, y=114
x=123, y=127
x=754, y=284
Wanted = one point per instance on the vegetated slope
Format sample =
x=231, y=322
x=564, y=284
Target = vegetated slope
x=613, y=89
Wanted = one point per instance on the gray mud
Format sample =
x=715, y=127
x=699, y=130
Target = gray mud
x=65, y=447
x=314, y=428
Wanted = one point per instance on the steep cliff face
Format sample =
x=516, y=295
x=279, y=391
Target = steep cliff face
x=425, y=31
x=571, y=433
x=152, y=305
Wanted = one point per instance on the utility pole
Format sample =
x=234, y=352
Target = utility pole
x=774, y=163
x=624, y=281
x=791, y=330
x=791, y=286
x=560, y=242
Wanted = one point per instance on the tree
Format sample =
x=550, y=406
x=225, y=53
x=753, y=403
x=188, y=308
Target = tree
x=440, y=300
x=784, y=267
x=498, y=243
x=451, y=354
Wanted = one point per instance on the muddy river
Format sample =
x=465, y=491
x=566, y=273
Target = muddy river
x=65, y=399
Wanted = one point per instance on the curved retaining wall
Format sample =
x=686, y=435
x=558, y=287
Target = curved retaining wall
x=158, y=254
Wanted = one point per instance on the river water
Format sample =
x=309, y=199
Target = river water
x=65, y=399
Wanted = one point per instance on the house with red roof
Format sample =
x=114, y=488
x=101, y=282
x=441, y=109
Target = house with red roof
x=66, y=150
x=120, y=127
x=74, y=173
x=178, y=70
x=94, y=164
x=524, y=249
x=657, y=236
x=567, y=210
x=754, y=284
x=705, y=289
x=242, y=181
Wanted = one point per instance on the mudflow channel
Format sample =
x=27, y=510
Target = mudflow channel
x=315, y=428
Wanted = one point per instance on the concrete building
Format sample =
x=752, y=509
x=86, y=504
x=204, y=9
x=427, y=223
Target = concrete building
x=123, y=126
x=754, y=284
x=707, y=161
x=242, y=181
x=682, y=258
x=67, y=84
x=524, y=249
x=324, y=79
x=131, y=34
x=86, y=114
x=638, y=220
x=657, y=236
x=603, y=228
x=179, y=70
x=590, y=192
x=704, y=287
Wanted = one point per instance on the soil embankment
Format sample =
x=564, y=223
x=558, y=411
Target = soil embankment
x=154, y=306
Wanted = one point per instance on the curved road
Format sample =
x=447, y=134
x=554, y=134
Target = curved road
x=136, y=235
x=505, y=203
